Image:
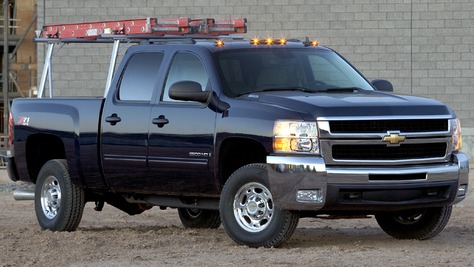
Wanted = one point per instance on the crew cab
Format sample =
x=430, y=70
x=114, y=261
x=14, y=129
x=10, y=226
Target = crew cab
x=251, y=133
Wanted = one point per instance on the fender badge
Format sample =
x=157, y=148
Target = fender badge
x=23, y=121
x=394, y=138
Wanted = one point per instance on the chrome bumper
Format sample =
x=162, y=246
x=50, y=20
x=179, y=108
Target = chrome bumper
x=351, y=188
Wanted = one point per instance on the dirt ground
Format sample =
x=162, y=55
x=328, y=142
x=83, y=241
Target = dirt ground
x=157, y=238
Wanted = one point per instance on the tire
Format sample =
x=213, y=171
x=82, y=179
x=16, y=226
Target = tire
x=248, y=213
x=59, y=204
x=418, y=224
x=199, y=218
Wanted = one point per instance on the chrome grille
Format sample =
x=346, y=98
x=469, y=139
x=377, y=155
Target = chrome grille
x=382, y=126
x=384, y=152
x=356, y=141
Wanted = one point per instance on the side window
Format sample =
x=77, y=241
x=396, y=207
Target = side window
x=185, y=67
x=139, y=77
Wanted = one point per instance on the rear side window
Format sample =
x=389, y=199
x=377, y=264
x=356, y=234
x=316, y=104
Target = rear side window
x=140, y=76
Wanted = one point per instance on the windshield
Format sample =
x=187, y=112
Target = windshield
x=245, y=71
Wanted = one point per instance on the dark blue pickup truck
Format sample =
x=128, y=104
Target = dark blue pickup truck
x=251, y=133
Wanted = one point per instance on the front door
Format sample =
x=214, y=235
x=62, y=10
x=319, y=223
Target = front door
x=182, y=139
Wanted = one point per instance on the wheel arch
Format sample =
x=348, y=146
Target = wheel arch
x=237, y=152
x=40, y=148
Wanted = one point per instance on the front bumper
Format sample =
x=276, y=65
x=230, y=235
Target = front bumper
x=365, y=188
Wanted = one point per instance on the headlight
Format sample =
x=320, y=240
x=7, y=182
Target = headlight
x=456, y=134
x=295, y=136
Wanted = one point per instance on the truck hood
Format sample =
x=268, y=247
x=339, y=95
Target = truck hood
x=362, y=103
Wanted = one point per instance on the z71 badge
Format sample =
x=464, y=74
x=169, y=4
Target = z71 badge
x=25, y=121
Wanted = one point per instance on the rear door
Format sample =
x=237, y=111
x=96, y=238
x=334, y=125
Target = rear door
x=125, y=123
x=181, y=142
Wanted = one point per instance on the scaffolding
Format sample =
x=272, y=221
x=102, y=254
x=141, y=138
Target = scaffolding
x=18, y=73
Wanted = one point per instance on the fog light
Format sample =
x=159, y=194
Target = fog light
x=312, y=196
x=462, y=190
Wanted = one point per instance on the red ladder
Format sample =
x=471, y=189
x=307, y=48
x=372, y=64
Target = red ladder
x=144, y=26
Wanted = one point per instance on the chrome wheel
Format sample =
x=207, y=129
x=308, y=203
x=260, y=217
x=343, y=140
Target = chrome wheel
x=248, y=213
x=418, y=224
x=199, y=218
x=253, y=207
x=59, y=203
x=194, y=213
x=50, y=197
x=408, y=218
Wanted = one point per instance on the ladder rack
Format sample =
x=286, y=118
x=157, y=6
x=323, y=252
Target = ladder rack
x=129, y=31
x=145, y=26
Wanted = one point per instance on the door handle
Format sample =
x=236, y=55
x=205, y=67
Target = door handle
x=113, y=119
x=160, y=121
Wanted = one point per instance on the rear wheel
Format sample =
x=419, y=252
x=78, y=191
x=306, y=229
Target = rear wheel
x=199, y=218
x=248, y=213
x=59, y=204
x=415, y=224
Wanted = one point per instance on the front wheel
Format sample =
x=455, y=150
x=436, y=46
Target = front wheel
x=248, y=213
x=59, y=204
x=418, y=224
x=199, y=218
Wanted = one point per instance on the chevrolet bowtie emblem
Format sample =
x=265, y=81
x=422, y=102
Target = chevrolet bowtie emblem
x=394, y=138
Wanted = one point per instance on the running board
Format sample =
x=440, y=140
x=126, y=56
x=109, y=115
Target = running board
x=181, y=202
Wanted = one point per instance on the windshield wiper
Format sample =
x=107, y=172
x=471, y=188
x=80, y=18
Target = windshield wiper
x=340, y=90
x=307, y=90
x=276, y=89
x=292, y=88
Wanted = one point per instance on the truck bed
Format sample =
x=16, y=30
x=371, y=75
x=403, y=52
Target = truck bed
x=72, y=126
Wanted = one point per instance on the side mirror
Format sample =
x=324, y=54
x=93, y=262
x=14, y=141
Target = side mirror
x=192, y=91
x=189, y=91
x=383, y=85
